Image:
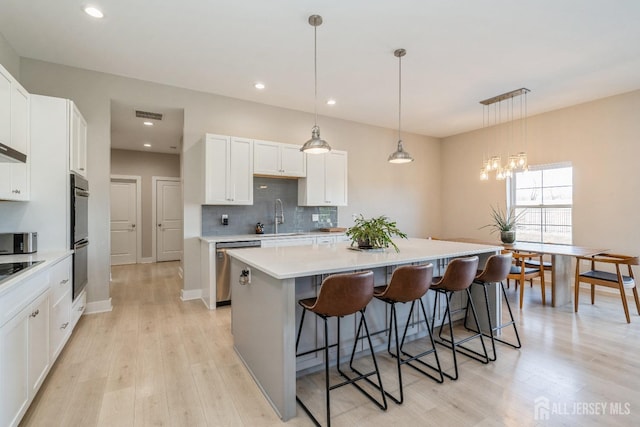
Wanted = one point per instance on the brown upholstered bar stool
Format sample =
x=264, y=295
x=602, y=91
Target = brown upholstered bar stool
x=341, y=295
x=495, y=271
x=457, y=278
x=408, y=283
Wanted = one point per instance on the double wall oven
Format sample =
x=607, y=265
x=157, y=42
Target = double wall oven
x=79, y=232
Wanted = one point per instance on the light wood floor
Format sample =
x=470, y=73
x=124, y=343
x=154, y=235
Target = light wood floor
x=155, y=360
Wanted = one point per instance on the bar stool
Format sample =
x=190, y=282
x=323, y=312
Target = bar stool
x=495, y=271
x=458, y=277
x=341, y=295
x=408, y=283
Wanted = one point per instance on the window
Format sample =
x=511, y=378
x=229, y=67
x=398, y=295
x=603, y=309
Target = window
x=545, y=194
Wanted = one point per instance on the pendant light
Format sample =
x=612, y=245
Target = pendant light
x=315, y=145
x=400, y=156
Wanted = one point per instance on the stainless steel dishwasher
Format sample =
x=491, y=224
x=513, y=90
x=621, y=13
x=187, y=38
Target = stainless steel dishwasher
x=223, y=268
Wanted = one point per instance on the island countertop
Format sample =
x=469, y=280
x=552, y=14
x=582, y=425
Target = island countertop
x=300, y=261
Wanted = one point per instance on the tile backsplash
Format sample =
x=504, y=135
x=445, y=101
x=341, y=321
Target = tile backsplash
x=243, y=219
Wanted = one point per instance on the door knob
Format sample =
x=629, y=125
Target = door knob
x=159, y=225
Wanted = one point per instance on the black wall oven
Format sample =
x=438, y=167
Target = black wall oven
x=79, y=232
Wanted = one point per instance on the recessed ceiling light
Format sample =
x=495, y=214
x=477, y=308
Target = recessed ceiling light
x=94, y=12
x=331, y=101
x=147, y=145
x=259, y=86
x=147, y=123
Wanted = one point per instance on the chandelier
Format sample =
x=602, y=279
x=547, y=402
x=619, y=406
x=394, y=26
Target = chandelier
x=513, y=135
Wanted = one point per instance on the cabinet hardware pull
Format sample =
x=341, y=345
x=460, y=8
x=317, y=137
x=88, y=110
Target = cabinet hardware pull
x=81, y=308
x=81, y=169
x=64, y=325
x=35, y=313
x=64, y=282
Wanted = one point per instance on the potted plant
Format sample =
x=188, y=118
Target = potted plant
x=505, y=221
x=374, y=233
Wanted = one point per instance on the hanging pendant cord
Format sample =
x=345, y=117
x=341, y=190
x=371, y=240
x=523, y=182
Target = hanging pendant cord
x=399, y=97
x=315, y=73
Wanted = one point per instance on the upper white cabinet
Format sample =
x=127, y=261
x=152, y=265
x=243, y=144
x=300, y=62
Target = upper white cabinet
x=326, y=180
x=277, y=159
x=5, y=106
x=228, y=170
x=14, y=132
x=78, y=141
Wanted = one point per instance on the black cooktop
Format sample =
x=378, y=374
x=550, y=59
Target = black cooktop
x=8, y=269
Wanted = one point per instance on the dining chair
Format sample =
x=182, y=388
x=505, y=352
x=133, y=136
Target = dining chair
x=521, y=273
x=598, y=275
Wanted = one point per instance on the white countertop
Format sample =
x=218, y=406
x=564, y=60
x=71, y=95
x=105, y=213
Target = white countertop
x=49, y=258
x=245, y=237
x=300, y=261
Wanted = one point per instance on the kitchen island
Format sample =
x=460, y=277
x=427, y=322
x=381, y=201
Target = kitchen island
x=266, y=284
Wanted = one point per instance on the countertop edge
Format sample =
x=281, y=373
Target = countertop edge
x=49, y=257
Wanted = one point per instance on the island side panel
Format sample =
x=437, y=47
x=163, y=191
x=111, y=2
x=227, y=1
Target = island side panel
x=263, y=327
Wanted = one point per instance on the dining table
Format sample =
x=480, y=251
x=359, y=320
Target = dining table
x=561, y=262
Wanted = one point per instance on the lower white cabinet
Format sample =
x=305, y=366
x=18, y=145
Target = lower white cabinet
x=24, y=358
x=38, y=342
x=14, y=368
x=60, y=300
x=78, y=307
x=288, y=241
x=36, y=320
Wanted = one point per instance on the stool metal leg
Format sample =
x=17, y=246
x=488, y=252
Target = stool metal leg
x=452, y=344
x=495, y=326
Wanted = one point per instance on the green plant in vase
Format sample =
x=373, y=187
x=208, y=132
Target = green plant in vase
x=374, y=233
x=504, y=221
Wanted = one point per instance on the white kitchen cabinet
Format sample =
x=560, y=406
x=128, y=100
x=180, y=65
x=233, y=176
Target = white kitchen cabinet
x=60, y=305
x=14, y=113
x=24, y=349
x=78, y=141
x=277, y=159
x=288, y=241
x=5, y=106
x=38, y=343
x=14, y=132
x=77, y=308
x=228, y=170
x=326, y=180
x=14, y=368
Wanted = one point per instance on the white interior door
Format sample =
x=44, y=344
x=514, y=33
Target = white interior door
x=123, y=223
x=169, y=220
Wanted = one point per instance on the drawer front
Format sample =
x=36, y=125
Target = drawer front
x=60, y=279
x=22, y=295
x=79, y=305
x=60, y=325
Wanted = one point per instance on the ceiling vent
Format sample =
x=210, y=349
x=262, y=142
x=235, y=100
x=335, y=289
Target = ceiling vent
x=148, y=115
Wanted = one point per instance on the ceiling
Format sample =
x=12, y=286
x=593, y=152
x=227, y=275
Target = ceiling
x=129, y=133
x=458, y=52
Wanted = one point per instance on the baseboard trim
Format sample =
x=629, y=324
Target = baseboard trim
x=190, y=294
x=149, y=260
x=99, y=307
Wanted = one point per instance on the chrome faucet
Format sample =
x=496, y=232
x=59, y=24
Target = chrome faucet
x=278, y=219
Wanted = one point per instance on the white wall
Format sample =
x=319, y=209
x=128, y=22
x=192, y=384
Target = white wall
x=600, y=138
x=409, y=194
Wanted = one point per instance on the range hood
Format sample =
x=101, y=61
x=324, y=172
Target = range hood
x=9, y=155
